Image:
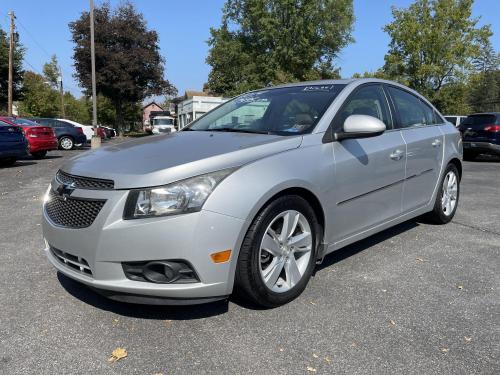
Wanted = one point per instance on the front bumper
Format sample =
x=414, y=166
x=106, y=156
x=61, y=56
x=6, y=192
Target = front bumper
x=483, y=147
x=110, y=240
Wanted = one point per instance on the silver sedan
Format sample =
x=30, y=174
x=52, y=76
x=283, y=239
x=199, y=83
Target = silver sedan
x=251, y=196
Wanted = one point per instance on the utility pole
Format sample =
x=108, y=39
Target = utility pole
x=61, y=90
x=11, y=64
x=96, y=140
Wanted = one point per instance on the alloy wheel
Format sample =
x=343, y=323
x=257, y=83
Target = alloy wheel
x=450, y=193
x=285, y=251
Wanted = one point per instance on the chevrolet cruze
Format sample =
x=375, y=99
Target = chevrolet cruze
x=251, y=196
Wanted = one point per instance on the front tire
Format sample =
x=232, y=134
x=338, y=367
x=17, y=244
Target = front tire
x=447, y=198
x=66, y=143
x=278, y=254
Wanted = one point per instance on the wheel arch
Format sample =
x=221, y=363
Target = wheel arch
x=457, y=163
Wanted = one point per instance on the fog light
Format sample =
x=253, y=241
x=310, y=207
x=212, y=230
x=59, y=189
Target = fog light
x=160, y=271
x=221, y=256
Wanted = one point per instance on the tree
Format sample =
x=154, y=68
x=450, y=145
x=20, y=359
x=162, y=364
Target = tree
x=263, y=42
x=39, y=98
x=51, y=72
x=433, y=44
x=4, y=69
x=484, y=91
x=129, y=66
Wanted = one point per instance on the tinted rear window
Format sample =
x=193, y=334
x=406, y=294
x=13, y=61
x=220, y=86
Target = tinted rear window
x=480, y=120
x=23, y=121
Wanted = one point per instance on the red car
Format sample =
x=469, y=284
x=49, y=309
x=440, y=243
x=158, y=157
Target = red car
x=40, y=138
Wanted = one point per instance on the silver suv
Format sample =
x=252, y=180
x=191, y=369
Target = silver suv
x=252, y=195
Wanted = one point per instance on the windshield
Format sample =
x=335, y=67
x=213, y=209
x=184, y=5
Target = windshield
x=283, y=111
x=163, y=121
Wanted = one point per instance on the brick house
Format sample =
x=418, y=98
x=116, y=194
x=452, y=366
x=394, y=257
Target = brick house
x=147, y=109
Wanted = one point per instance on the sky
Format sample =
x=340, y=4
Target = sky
x=183, y=28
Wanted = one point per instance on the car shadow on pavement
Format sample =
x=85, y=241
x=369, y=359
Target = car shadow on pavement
x=190, y=312
x=353, y=249
x=17, y=164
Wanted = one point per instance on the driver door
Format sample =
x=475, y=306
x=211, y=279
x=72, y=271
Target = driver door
x=369, y=172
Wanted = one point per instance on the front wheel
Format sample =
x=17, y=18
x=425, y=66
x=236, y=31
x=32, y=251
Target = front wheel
x=278, y=254
x=447, y=198
x=66, y=143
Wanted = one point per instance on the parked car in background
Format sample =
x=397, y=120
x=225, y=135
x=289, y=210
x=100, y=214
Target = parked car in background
x=110, y=132
x=68, y=135
x=481, y=134
x=88, y=130
x=455, y=120
x=13, y=144
x=41, y=139
x=252, y=194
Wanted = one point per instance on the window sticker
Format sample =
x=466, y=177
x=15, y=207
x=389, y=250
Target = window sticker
x=319, y=88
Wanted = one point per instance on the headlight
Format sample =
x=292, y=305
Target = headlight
x=177, y=198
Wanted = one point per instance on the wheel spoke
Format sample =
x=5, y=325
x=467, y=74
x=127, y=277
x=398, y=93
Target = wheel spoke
x=292, y=271
x=270, y=243
x=271, y=277
x=290, y=221
x=300, y=240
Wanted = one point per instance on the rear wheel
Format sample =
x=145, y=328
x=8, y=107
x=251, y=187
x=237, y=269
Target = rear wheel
x=447, y=197
x=39, y=154
x=66, y=143
x=8, y=161
x=278, y=254
x=470, y=155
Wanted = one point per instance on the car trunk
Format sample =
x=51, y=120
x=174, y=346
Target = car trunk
x=480, y=128
x=10, y=134
x=40, y=132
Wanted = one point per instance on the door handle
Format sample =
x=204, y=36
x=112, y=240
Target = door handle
x=436, y=143
x=396, y=155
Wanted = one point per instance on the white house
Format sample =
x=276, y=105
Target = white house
x=195, y=106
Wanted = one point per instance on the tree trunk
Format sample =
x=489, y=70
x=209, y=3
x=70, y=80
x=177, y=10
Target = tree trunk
x=119, y=117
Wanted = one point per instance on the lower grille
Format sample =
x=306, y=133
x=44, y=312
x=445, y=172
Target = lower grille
x=76, y=263
x=72, y=212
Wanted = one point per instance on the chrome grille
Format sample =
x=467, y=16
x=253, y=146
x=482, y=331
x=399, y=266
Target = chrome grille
x=72, y=212
x=77, y=263
x=84, y=182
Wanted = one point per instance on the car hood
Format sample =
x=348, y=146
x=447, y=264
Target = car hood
x=159, y=160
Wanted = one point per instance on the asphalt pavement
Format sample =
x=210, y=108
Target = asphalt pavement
x=414, y=299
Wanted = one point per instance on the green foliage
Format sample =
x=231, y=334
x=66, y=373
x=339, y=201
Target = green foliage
x=262, y=42
x=484, y=92
x=4, y=69
x=433, y=43
x=51, y=72
x=39, y=99
x=129, y=66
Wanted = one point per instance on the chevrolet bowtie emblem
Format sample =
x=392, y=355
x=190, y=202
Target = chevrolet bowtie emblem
x=65, y=190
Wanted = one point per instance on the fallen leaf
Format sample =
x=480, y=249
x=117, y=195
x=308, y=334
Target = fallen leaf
x=354, y=344
x=392, y=322
x=311, y=369
x=281, y=349
x=315, y=355
x=460, y=287
x=117, y=354
x=312, y=303
x=445, y=350
x=168, y=321
x=116, y=321
x=419, y=259
x=384, y=290
x=328, y=359
x=467, y=338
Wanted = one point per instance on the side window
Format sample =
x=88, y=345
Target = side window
x=412, y=111
x=369, y=100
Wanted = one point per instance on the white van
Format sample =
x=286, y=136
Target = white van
x=162, y=124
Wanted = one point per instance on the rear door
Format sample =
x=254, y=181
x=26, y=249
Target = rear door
x=369, y=171
x=419, y=126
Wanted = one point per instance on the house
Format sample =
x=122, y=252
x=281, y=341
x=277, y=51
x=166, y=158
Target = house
x=195, y=104
x=147, y=109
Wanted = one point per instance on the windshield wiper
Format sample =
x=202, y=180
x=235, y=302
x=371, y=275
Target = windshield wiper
x=236, y=130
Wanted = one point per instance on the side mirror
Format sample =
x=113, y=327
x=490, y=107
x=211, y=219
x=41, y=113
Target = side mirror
x=360, y=126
